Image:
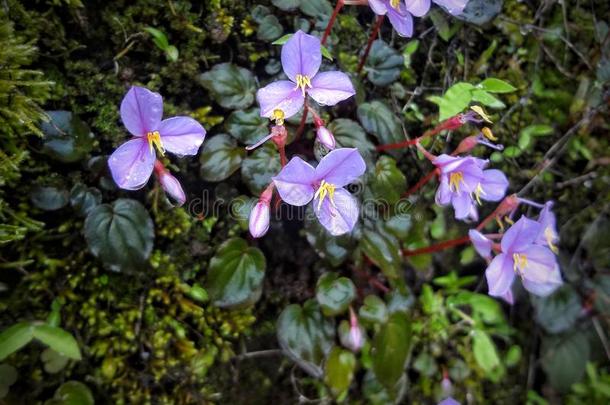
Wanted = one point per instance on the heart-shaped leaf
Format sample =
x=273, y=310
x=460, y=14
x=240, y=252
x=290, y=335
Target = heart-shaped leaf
x=66, y=137
x=349, y=134
x=377, y=119
x=305, y=336
x=83, y=198
x=334, y=293
x=220, y=158
x=235, y=277
x=373, y=310
x=391, y=347
x=53, y=361
x=49, y=198
x=387, y=182
x=58, y=339
x=335, y=249
x=258, y=168
x=481, y=11
x=14, y=338
x=121, y=235
x=269, y=29
x=286, y=5
x=232, y=87
x=72, y=393
x=339, y=371
x=384, y=64
x=247, y=126
x=559, y=311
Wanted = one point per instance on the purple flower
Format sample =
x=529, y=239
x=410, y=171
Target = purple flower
x=141, y=111
x=481, y=244
x=326, y=137
x=259, y=219
x=548, y=235
x=172, y=186
x=301, y=59
x=449, y=401
x=464, y=182
x=298, y=183
x=535, y=264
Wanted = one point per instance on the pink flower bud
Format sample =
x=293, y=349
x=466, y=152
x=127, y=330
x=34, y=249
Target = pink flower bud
x=447, y=387
x=466, y=145
x=259, y=219
x=326, y=137
x=171, y=185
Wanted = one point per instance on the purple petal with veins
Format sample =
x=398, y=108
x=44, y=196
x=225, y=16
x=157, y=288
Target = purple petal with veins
x=181, y=135
x=329, y=88
x=141, y=111
x=341, y=167
x=131, y=164
x=338, y=215
x=282, y=95
x=301, y=55
x=295, y=182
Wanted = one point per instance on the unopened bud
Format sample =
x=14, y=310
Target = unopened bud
x=447, y=387
x=466, y=145
x=170, y=184
x=326, y=137
x=259, y=219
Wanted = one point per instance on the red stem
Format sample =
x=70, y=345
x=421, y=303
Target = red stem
x=410, y=142
x=423, y=181
x=282, y=150
x=301, y=127
x=438, y=247
x=372, y=38
x=331, y=22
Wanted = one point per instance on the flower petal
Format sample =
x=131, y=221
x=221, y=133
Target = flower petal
x=443, y=194
x=282, y=95
x=329, y=88
x=295, y=182
x=500, y=275
x=520, y=235
x=494, y=185
x=141, y=110
x=401, y=20
x=341, y=166
x=132, y=164
x=541, y=275
x=339, y=216
x=417, y=7
x=481, y=244
x=548, y=226
x=181, y=135
x=258, y=222
x=454, y=7
x=379, y=7
x=172, y=187
x=464, y=206
x=301, y=55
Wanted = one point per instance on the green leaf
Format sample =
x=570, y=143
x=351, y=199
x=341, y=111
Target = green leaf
x=387, y=182
x=483, y=97
x=400, y=299
x=373, y=310
x=538, y=130
x=455, y=100
x=564, y=358
x=236, y=273
x=286, y=5
x=377, y=119
x=339, y=371
x=425, y=364
x=172, y=53
x=49, y=198
x=66, y=137
x=72, y=393
x=282, y=40
x=8, y=377
x=14, y=338
x=493, y=85
x=382, y=249
x=305, y=336
x=159, y=38
x=258, y=168
x=53, y=361
x=559, y=311
x=335, y=249
x=349, y=134
x=220, y=158
x=247, y=126
x=512, y=152
x=83, y=198
x=391, y=347
x=316, y=8
x=334, y=293
x=232, y=87
x=269, y=28
x=58, y=339
x=121, y=235
x=384, y=64
x=484, y=351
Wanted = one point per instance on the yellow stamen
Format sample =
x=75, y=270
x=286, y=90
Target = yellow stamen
x=488, y=134
x=278, y=116
x=500, y=223
x=519, y=262
x=394, y=3
x=509, y=221
x=455, y=179
x=550, y=236
x=477, y=193
x=154, y=140
x=479, y=110
x=325, y=189
x=302, y=83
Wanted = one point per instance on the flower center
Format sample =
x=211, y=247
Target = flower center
x=325, y=189
x=394, y=3
x=455, y=179
x=302, y=83
x=550, y=237
x=154, y=140
x=519, y=262
x=278, y=116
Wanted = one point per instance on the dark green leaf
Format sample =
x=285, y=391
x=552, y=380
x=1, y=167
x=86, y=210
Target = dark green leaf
x=8, y=376
x=220, y=158
x=391, y=347
x=373, y=310
x=286, y=5
x=83, y=198
x=334, y=293
x=316, y=8
x=53, y=361
x=377, y=119
x=335, y=249
x=559, y=311
x=14, y=338
x=236, y=273
x=387, y=182
x=58, y=339
x=269, y=28
x=258, y=168
x=384, y=64
x=339, y=371
x=564, y=358
x=49, y=198
x=121, y=234
x=349, y=134
x=481, y=11
x=247, y=126
x=66, y=137
x=232, y=87
x=382, y=249
x=72, y=393
x=305, y=336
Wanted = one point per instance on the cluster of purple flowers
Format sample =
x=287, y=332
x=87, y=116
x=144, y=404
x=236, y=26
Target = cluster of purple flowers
x=401, y=12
